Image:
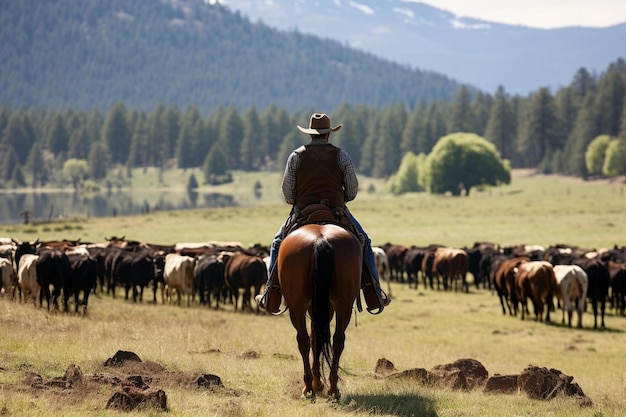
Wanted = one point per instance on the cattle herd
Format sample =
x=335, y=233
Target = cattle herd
x=519, y=274
x=207, y=273
x=48, y=273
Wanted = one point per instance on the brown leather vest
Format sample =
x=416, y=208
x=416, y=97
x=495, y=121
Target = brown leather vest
x=319, y=176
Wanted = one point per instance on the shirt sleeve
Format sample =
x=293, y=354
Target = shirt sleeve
x=289, y=178
x=350, y=181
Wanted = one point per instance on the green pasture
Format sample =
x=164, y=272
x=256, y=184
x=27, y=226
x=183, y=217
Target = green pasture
x=541, y=210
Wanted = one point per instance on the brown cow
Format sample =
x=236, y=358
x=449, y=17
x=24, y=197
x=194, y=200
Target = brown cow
x=452, y=264
x=536, y=280
x=242, y=270
x=395, y=255
x=504, y=282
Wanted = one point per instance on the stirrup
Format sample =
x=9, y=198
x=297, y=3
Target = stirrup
x=381, y=301
x=262, y=301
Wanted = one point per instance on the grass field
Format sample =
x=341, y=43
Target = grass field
x=256, y=356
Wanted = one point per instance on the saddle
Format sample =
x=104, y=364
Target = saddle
x=320, y=213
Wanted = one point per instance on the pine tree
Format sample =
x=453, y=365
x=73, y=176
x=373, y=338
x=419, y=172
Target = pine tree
x=499, y=130
x=116, y=134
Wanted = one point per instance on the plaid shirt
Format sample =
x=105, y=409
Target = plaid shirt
x=350, y=182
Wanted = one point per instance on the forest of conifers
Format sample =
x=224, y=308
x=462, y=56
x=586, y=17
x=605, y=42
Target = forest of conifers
x=547, y=131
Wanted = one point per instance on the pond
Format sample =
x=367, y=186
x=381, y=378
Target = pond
x=16, y=207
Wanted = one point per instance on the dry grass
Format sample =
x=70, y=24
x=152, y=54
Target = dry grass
x=420, y=329
x=257, y=358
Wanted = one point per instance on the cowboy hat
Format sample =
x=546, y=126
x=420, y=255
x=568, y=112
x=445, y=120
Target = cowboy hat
x=319, y=125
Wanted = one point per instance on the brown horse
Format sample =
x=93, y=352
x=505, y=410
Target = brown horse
x=319, y=269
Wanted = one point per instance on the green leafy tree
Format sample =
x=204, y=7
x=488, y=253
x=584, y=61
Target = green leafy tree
x=75, y=170
x=406, y=180
x=461, y=161
x=615, y=161
x=596, y=153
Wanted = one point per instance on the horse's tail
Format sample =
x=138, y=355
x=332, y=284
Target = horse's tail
x=323, y=271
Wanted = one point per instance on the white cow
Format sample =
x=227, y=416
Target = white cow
x=573, y=282
x=8, y=280
x=178, y=276
x=382, y=265
x=27, y=277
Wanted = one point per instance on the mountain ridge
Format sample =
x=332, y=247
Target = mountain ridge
x=472, y=51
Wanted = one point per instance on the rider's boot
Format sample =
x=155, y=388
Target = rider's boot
x=271, y=299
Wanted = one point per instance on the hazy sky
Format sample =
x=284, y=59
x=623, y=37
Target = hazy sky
x=539, y=13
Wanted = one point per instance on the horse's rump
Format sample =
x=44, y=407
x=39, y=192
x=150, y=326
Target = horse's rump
x=319, y=270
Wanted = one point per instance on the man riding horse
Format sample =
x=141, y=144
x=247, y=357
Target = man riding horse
x=319, y=175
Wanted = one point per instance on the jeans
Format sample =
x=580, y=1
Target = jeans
x=368, y=255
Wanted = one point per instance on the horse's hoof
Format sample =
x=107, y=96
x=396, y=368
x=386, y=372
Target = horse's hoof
x=334, y=396
x=308, y=395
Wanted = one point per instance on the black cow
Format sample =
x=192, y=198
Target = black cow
x=617, y=274
x=22, y=248
x=599, y=282
x=99, y=253
x=53, y=271
x=208, y=277
x=132, y=270
x=83, y=279
x=477, y=254
x=413, y=265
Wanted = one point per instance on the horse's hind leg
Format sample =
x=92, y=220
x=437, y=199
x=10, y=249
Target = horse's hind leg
x=304, y=346
x=339, y=339
x=318, y=385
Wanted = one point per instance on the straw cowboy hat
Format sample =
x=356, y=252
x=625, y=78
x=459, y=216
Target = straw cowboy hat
x=319, y=125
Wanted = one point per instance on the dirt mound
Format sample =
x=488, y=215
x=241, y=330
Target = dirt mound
x=136, y=384
x=467, y=374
